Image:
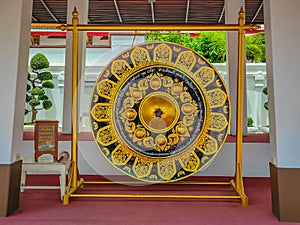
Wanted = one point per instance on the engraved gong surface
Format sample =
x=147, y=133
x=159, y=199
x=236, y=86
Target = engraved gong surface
x=159, y=112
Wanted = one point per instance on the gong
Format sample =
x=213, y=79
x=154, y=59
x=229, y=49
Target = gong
x=159, y=112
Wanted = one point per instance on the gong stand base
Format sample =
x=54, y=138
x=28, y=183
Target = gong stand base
x=72, y=192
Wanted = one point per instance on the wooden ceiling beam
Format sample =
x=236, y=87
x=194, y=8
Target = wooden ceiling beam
x=49, y=11
x=257, y=11
x=187, y=11
x=222, y=13
x=152, y=10
x=118, y=11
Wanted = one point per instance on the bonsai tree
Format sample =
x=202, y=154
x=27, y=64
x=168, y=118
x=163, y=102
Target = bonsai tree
x=37, y=81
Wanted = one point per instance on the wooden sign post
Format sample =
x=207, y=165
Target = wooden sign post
x=46, y=138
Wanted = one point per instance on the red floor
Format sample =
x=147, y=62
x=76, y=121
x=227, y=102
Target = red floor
x=44, y=206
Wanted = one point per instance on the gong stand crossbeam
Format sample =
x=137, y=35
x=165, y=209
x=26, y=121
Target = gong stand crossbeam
x=167, y=27
x=143, y=183
x=237, y=184
x=156, y=196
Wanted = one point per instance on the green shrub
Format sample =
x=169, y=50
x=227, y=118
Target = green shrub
x=256, y=48
x=39, y=62
x=212, y=44
x=266, y=104
x=249, y=122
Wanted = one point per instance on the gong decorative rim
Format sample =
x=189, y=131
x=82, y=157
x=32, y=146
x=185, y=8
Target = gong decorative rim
x=160, y=112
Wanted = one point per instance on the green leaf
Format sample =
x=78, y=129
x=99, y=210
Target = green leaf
x=34, y=102
x=265, y=90
x=250, y=122
x=43, y=97
x=28, y=98
x=39, y=61
x=212, y=45
x=48, y=84
x=47, y=104
x=37, y=91
x=28, y=87
x=266, y=105
x=254, y=53
x=44, y=76
x=255, y=47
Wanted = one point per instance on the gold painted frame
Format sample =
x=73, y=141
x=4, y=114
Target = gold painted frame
x=76, y=182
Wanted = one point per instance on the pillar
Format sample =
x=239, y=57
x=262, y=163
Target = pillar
x=232, y=8
x=82, y=8
x=15, y=24
x=282, y=51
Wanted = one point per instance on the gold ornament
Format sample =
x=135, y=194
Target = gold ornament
x=160, y=112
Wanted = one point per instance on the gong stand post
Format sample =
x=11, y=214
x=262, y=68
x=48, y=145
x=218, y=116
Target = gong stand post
x=76, y=182
x=239, y=187
x=74, y=96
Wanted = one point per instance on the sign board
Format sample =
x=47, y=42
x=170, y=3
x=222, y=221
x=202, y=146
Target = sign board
x=46, y=138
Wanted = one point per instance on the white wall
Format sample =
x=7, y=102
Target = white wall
x=256, y=157
x=14, y=39
x=283, y=50
x=255, y=75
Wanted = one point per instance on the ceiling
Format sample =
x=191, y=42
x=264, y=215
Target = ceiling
x=146, y=11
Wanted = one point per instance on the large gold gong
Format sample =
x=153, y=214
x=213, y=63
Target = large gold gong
x=159, y=112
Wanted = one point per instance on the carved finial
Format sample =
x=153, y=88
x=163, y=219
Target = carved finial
x=75, y=12
x=241, y=16
x=242, y=10
x=242, y=13
x=75, y=17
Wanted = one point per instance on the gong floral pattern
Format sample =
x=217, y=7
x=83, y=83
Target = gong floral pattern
x=159, y=112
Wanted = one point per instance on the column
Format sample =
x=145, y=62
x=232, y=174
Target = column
x=15, y=25
x=232, y=8
x=259, y=84
x=282, y=49
x=82, y=8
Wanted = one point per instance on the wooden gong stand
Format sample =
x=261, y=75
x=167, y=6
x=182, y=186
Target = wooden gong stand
x=76, y=182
